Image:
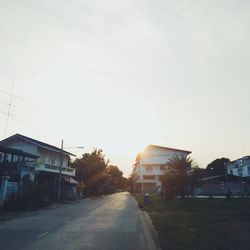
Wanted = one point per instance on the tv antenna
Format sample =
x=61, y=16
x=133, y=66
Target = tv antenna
x=11, y=96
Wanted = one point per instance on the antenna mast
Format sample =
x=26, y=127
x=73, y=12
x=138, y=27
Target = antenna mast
x=11, y=95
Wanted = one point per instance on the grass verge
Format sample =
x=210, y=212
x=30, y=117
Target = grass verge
x=201, y=223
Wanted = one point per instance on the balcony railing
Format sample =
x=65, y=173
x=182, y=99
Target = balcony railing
x=55, y=169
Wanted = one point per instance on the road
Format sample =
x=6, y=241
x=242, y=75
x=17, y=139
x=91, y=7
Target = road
x=108, y=222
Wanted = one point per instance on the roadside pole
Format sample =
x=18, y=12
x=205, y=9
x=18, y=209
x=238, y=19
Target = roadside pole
x=60, y=173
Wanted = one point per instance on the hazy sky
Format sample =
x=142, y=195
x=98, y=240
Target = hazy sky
x=120, y=75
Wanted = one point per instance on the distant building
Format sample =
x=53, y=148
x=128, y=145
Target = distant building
x=52, y=162
x=151, y=164
x=239, y=167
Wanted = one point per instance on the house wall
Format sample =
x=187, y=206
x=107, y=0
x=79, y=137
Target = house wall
x=52, y=158
x=49, y=160
x=24, y=146
x=150, y=167
x=240, y=167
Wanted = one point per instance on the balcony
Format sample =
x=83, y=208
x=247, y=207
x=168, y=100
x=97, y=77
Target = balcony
x=56, y=169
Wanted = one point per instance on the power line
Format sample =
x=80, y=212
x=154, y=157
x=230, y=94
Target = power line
x=2, y=111
x=1, y=106
x=7, y=93
x=26, y=126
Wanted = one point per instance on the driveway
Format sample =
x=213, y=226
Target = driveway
x=109, y=222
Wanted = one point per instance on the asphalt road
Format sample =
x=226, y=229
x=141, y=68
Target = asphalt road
x=109, y=222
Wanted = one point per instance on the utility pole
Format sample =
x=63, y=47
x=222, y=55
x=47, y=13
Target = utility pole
x=59, y=187
x=60, y=172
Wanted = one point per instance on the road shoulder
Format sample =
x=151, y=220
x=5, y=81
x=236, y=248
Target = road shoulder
x=149, y=231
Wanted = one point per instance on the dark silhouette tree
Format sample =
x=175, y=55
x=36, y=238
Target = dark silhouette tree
x=216, y=167
x=91, y=171
x=176, y=180
x=115, y=178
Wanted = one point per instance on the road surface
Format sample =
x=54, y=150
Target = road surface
x=109, y=222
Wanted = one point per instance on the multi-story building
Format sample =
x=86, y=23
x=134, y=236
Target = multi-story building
x=52, y=165
x=239, y=167
x=151, y=164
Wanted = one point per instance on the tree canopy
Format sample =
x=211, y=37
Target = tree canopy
x=91, y=170
x=216, y=167
x=175, y=180
x=96, y=175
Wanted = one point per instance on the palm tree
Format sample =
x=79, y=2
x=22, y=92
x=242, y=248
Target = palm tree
x=178, y=167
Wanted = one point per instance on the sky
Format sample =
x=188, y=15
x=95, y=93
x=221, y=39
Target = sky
x=120, y=75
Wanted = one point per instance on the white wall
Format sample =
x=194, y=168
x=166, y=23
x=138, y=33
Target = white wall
x=47, y=157
x=156, y=157
x=24, y=146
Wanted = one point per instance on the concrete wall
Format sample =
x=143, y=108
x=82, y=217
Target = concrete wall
x=150, y=164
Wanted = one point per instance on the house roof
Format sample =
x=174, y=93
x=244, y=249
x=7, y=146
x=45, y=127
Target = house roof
x=71, y=180
x=167, y=148
x=14, y=151
x=138, y=157
x=35, y=142
x=224, y=177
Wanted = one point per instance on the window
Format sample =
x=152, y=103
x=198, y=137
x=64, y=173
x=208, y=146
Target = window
x=1, y=156
x=148, y=177
x=53, y=161
x=148, y=168
x=239, y=172
x=248, y=170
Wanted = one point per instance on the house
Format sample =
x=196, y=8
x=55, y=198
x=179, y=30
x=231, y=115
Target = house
x=239, y=167
x=51, y=167
x=17, y=163
x=14, y=165
x=151, y=164
x=222, y=184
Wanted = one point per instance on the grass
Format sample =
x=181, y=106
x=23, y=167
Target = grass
x=201, y=223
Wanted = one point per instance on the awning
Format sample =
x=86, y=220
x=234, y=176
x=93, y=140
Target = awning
x=71, y=181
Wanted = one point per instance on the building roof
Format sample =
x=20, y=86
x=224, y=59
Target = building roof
x=18, y=152
x=71, y=180
x=223, y=177
x=242, y=158
x=138, y=156
x=35, y=142
x=167, y=148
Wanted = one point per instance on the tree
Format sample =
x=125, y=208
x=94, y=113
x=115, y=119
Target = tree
x=195, y=177
x=91, y=170
x=115, y=178
x=216, y=167
x=176, y=180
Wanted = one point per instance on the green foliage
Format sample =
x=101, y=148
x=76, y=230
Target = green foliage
x=97, y=175
x=30, y=197
x=216, y=167
x=116, y=180
x=91, y=170
x=176, y=181
x=201, y=223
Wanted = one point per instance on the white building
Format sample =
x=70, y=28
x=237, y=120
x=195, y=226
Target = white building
x=239, y=167
x=52, y=163
x=151, y=164
x=50, y=159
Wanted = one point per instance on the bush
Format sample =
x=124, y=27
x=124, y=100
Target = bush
x=27, y=199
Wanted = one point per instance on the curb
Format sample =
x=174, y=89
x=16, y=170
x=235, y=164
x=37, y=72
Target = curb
x=150, y=232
